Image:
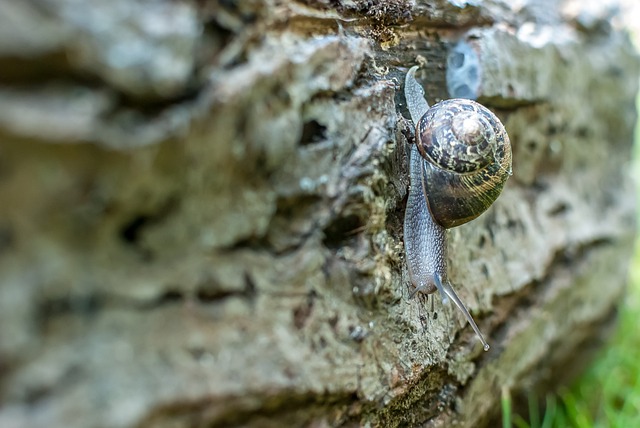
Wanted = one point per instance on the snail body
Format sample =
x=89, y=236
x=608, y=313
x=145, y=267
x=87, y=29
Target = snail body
x=458, y=167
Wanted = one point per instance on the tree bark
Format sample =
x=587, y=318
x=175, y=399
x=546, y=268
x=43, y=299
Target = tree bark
x=201, y=209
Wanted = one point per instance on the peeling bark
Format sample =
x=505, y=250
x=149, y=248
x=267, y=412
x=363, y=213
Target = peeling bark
x=201, y=209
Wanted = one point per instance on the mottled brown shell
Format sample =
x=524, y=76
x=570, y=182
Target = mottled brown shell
x=468, y=159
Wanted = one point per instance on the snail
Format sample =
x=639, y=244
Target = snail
x=458, y=167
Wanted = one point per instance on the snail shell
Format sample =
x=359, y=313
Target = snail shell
x=467, y=159
x=458, y=168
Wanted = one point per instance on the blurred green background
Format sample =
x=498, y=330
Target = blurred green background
x=608, y=393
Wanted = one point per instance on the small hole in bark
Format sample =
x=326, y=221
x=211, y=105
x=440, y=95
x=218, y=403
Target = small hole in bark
x=220, y=36
x=463, y=71
x=130, y=232
x=82, y=305
x=197, y=353
x=341, y=230
x=313, y=132
x=539, y=185
x=211, y=291
x=456, y=60
x=208, y=295
x=582, y=132
x=322, y=342
x=333, y=321
x=559, y=209
x=485, y=271
x=615, y=71
x=463, y=91
x=513, y=223
x=168, y=297
x=249, y=285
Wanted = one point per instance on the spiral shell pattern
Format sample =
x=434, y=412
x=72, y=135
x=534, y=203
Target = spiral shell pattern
x=467, y=159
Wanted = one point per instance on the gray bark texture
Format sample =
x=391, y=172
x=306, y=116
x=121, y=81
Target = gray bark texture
x=201, y=208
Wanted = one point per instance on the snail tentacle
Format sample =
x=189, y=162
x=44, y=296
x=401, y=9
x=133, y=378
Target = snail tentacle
x=445, y=289
x=414, y=95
